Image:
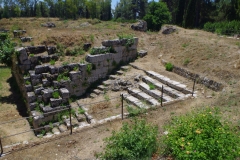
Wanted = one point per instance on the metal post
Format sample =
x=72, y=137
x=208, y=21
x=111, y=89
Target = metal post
x=70, y=115
x=1, y=147
x=122, y=105
x=162, y=97
x=193, y=86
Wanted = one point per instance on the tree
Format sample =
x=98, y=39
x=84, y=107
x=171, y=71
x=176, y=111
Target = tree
x=6, y=49
x=158, y=14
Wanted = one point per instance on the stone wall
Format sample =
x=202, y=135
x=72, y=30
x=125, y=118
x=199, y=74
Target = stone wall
x=216, y=86
x=39, y=81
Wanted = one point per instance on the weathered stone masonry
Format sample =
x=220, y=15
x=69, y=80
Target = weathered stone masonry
x=38, y=80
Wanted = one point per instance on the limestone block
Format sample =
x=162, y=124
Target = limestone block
x=22, y=56
x=47, y=94
x=53, y=69
x=119, y=49
x=47, y=109
x=26, y=62
x=46, y=83
x=54, y=57
x=34, y=59
x=29, y=88
x=33, y=106
x=56, y=84
x=39, y=98
x=45, y=59
x=37, y=91
x=31, y=72
x=31, y=97
x=65, y=100
x=41, y=69
x=110, y=43
x=142, y=53
x=62, y=128
x=55, y=102
x=74, y=75
x=65, y=84
x=72, y=66
x=51, y=50
x=64, y=93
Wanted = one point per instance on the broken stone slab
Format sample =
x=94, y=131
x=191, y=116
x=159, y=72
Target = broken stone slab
x=115, y=87
x=97, y=91
x=55, y=130
x=120, y=72
x=31, y=97
x=125, y=68
x=55, y=102
x=168, y=29
x=41, y=69
x=137, y=77
x=142, y=53
x=62, y=128
x=64, y=93
x=93, y=95
x=129, y=98
x=102, y=88
x=141, y=25
x=26, y=39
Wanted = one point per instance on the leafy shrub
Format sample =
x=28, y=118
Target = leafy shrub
x=52, y=62
x=134, y=112
x=186, y=62
x=201, y=135
x=27, y=82
x=6, y=49
x=134, y=141
x=151, y=86
x=62, y=76
x=55, y=94
x=158, y=14
x=81, y=111
x=169, y=66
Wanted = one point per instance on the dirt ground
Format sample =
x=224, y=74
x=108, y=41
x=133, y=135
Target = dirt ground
x=201, y=52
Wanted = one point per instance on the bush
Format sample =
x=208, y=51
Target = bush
x=55, y=94
x=157, y=16
x=6, y=49
x=134, y=141
x=151, y=86
x=169, y=66
x=201, y=135
x=224, y=28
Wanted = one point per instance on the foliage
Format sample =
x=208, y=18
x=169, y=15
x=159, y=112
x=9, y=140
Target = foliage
x=63, y=114
x=62, y=76
x=89, y=68
x=55, y=94
x=169, y=66
x=151, y=86
x=186, y=62
x=201, y=135
x=75, y=52
x=134, y=112
x=157, y=15
x=6, y=49
x=52, y=62
x=137, y=140
x=27, y=82
x=223, y=28
x=81, y=111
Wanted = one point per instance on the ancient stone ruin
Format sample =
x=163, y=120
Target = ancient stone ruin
x=47, y=88
x=141, y=25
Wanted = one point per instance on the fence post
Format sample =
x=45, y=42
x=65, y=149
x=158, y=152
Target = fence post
x=70, y=115
x=1, y=147
x=193, y=86
x=162, y=97
x=122, y=105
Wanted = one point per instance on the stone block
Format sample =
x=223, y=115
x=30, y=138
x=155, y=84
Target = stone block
x=47, y=94
x=39, y=98
x=33, y=106
x=64, y=93
x=46, y=83
x=74, y=75
x=110, y=43
x=37, y=91
x=56, y=84
x=31, y=97
x=55, y=102
x=45, y=59
x=142, y=53
x=24, y=68
x=53, y=69
x=72, y=66
x=29, y=88
x=34, y=59
x=22, y=54
x=41, y=69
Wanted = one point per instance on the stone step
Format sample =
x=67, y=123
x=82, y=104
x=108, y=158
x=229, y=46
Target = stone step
x=107, y=82
x=55, y=130
x=62, y=128
x=102, y=88
x=113, y=77
x=125, y=68
x=168, y=90
x=143, y=96
x=154, y=93
x=93, y=95
x=173, y=84
x=129, y=98
x=97, y=91
x=120, y=72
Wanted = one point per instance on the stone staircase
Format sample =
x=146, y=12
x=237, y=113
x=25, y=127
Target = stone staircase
x=145, y=97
